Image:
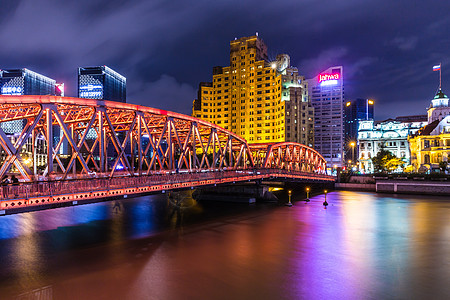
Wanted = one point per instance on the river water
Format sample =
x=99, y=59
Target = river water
x=362, y=246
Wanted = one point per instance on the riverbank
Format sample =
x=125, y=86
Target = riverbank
x=399, y=187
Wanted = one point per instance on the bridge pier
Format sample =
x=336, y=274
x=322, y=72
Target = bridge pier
x=261, y=191
x=240, y=192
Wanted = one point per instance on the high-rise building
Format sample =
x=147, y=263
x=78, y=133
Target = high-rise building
x=355, y=111
x=259, y=100
x=245, y=97
x=26, y=82
x=326, y=92
x=23, y=82
x=101, y=82
x=299, y=113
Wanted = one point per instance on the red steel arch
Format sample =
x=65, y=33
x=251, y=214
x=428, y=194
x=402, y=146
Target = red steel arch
x=95, y=149
x=82, y=136
x=289, y=156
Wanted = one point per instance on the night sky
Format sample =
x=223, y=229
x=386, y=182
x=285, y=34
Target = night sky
x=165, y=48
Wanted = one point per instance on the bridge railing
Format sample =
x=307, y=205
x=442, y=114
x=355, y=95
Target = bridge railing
x=62, y=187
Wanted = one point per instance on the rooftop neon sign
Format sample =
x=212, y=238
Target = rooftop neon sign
x=326, y=77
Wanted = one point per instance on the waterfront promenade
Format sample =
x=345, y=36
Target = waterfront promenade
x=424, y=185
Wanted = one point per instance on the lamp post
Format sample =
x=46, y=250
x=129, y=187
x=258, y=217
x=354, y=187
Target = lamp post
x=289, y=203
x=353, y=144
x=307, y=194
x=325, y=203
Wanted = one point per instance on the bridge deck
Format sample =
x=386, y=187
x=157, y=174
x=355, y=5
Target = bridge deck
x=97, y=188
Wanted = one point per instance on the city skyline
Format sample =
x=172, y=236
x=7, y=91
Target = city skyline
x=165, y=49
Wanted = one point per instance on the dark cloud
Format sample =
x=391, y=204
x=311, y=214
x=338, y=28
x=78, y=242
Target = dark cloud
x=165, y=48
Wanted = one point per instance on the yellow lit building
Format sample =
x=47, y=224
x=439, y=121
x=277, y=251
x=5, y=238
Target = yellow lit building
x=245, y=97
x=431, y=144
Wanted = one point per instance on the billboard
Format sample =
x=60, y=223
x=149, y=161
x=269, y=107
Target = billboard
x=329, y=79
x=12, y=90
x=94, y=91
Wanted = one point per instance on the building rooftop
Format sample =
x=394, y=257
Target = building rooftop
x=440, y=95
x=405, y=119
x=426, y=130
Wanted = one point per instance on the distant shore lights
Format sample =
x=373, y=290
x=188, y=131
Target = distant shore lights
x=329, y=79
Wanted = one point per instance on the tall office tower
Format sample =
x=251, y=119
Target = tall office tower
x=101, y=83
x=326, y=92
x=23, y=82
x=355, y=111
x=26, y=82
x=299, y=113
x=245, y=97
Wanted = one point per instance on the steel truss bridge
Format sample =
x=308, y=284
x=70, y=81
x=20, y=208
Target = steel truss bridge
x=72, y=149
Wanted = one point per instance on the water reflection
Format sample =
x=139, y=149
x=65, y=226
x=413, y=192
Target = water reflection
x=363, y=246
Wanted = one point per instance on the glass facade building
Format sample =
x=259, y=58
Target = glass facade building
x=18, y=82
x=23, y=82
x=101, y=82
x=355, y=111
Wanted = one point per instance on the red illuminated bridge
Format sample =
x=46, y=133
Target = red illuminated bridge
x=73, y=150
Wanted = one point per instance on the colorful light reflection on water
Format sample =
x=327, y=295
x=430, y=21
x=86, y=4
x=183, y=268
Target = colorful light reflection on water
x=362, y=246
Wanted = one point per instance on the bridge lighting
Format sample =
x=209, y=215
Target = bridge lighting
x=307, y=194
x=325, y=203
x=289, y=203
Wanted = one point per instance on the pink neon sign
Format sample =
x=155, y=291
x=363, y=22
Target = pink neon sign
x=326, y=77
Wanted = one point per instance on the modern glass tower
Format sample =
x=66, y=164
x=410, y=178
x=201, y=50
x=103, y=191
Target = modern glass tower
x=355, y=111
x=18, y=82
x=326, y=92
x=101, y=82
x=23, y=82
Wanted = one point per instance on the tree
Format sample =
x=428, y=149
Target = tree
x=381, y=159
x=394, y=163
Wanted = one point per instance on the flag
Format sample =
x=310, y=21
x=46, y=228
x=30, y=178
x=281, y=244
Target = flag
x=437, y=67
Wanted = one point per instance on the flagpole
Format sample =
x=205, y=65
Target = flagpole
x=440, y=75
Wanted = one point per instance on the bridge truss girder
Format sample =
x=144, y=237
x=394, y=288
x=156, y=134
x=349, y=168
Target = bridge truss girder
x=103, y=136
x=289, y=156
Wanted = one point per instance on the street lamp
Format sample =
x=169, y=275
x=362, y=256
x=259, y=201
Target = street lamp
x=353, y=144
x=289, y=203
x=325, y=203
x=307, y=194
